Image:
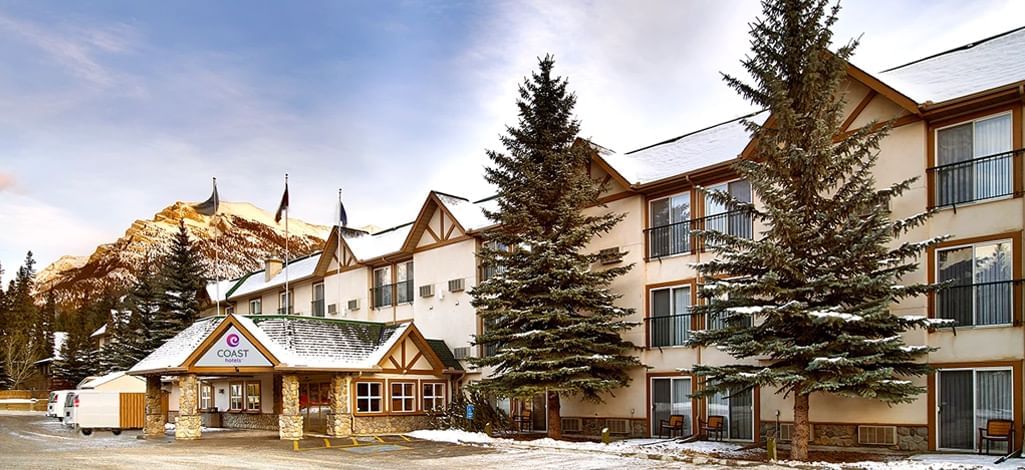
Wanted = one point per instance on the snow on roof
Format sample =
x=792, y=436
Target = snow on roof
x=59, y=338
x=381, y=243
x=469, y=214
x=174, y=352
x=294, y=341
x=684, y=154
x=256, y=281
x=99, y=331
x=97, y=381
x=223, y=287
x=969, y=69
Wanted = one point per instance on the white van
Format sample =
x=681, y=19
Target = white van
x=55, y=407
x=95, y=410
x=66, y=409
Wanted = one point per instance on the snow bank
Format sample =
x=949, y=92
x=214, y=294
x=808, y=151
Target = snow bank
x=11, y=401
x=454, y=436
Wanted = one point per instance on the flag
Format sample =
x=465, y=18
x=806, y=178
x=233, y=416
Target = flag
x=209, y=207
x=284, y=203
x=343, y=218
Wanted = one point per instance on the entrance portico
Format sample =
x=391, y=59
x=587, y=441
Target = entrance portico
x=298, y=375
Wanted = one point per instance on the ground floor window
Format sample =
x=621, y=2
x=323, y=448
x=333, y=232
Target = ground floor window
x=403, y=397
x=206, y=396
x=433, y=396
x=368, y=397
x=235, y=396
x=967, y=399
x=252, y=396
x=671, y=396
x=737, y=410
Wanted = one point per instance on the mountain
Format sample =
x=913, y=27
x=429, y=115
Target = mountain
x=241, y=236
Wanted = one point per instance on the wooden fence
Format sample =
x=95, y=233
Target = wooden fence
x=133, y=410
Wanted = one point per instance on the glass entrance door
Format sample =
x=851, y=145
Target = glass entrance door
x=671, y=396
x=313, y=405
x=737, y=411
x=967, y=399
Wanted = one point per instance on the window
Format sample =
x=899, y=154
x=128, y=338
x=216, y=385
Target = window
x=285, y=298
x=671, y=396
x=368, y=397
x=981, y=283
x=229, y=310
x=235, y=393
x=736, y=223
x=253, y=396
x=719, y=321
x=737, y=410
x=973, y=161
x=404, y=286
x=206, y=396
x=434, y=395
x=669, y=323
x=966, y=399
x=487, y=271
x=403, y=397
x=317, y=306
x=669, y=227
x=382, y=291
x=255, y=306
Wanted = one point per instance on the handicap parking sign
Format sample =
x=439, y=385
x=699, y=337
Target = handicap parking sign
x=469, y=411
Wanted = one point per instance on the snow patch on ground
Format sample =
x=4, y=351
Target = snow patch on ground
x=454, y=436
x=17, y=400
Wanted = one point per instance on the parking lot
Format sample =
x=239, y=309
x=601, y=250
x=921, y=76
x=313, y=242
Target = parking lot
x=30, y=440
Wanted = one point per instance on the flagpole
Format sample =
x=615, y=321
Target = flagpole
x=338, y=275
x=217, y=276
x=288, y=294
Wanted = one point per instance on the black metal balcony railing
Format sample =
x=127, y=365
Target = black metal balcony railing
x=677, y=238
x=974, y=180
x=317, y=308
x=984, y=303
x=668, y=330
x=285, y=311
x=392, y=294
x=717, y=322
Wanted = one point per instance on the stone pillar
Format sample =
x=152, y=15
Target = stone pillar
x=155, y=417
x=290, y=422
x=340, y=417
x=188, y=424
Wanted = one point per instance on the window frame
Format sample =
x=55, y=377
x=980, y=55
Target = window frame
x=259, y=305
x=935, y=383
x=232, y=396
x=290, y=295
x=206, y=402
x=973, y=244
x=322, y=299
x=411, y=399
x=649, y=219
x=691, y=284
x=247, y=396
x=380, y=397
x=435, y=395
x=932, y=153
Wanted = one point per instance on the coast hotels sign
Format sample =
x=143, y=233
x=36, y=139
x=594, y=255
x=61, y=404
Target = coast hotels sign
x=233, y=349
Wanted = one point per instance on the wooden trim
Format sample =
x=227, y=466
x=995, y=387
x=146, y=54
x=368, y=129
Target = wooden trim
x=1018, y=269
x=416, y=396
x=875, y=84
x=616, y=197
x=442, y=243
x=444, y=393
x=596, y=158
x=430, y=231
x=871, y=94
x=1016, y=384
x=354, y=394
x=212, y=338
x=692, y=282
x=412, y=333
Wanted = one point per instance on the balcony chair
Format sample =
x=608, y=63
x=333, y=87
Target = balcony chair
x=523, y=422
x=674, y=425
x=996, y=430
x=714, y=426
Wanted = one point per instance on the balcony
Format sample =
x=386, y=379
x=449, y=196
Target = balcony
x=668, y=330
x=317, y=308
x=392, y=294
x=283, y=311
x=980, y=304
x=974, y=180
x=677, y=238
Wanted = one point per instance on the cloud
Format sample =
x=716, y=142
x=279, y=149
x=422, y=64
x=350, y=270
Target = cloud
x=6, y=182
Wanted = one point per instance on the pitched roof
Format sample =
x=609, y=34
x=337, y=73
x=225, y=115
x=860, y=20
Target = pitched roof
x=254, y=282
x=307, y=342
x=686, y=153
x=469, y=214
x=97, y=381
x=974, y=67
x=445, y=354
x=378, y=244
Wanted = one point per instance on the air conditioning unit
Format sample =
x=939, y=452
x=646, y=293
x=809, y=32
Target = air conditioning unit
x=427, y=290
x=610, y=256
x=353, y=304
x=877, y=435
x=618, y=426
x=571, y=425
x=786, y=432
x=456, y=285
x=332, y=309
x=462, y=353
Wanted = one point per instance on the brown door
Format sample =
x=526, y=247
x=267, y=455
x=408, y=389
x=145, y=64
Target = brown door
x=313, y=405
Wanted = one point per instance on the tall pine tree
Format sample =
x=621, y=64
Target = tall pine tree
x=551, y=316
x=78, y=355
x=143, y=301
x=821, y=278
x=181, y=278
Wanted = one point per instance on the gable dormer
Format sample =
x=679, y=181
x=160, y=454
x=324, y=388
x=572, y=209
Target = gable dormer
x=435, y=225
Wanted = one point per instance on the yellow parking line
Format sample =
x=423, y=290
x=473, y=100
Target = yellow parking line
x=327, y=443
x=405, y=438
x=295, y=446
x=355, y=443
x=379, y=439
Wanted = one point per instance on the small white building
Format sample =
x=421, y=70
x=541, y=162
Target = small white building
x=114, y=382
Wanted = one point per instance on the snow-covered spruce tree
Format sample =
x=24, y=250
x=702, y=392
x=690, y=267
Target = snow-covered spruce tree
x=44, y=328
x=820, y=280
x=548, y=313
x=181, y=277
x=143, y=303
x=79, y=358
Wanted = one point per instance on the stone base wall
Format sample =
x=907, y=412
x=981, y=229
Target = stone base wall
x=265, y=421
x=290, y=427
x=154, y=426
x=593, y=427
x=187, y=427
x=388, y=424
x=909, y=438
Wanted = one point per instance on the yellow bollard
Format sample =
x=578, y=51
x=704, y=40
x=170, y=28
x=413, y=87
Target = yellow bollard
x=327, y=443
x=770, y=448
x=295, y=446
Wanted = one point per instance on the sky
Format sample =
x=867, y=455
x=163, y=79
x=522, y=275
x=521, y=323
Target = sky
x=113, y=110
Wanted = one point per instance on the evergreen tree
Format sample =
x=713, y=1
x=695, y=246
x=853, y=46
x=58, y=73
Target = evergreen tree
x=3, y=306
x=22, y=311
x=44, y=327
x=78, y=354
x=143, y=303
x=181, y=279
x=822, y=277
x=550, y=315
